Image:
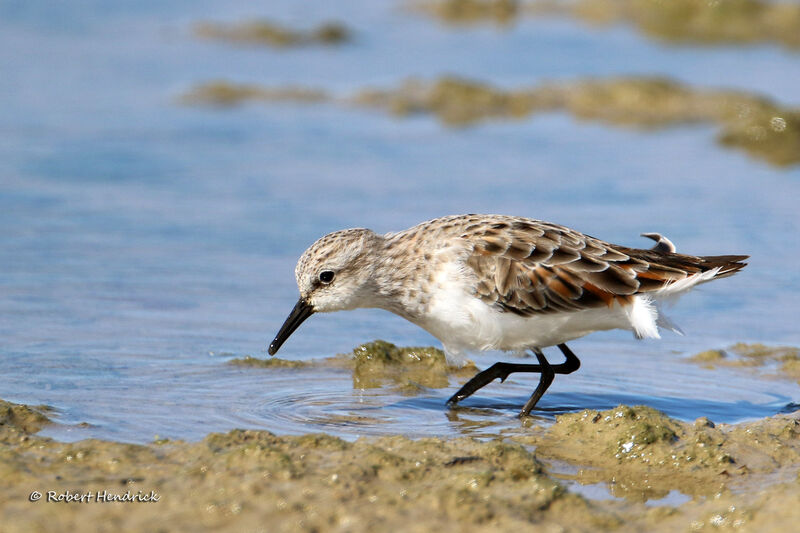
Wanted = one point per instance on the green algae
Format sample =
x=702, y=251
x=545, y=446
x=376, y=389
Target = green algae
x=265, y=32
x=465, y=12
x=762, y=352
x=22, y=417
x=458, y=102
x=720, y=22
x=756, y=125
x=274, y=362
x=411, y=369
x=707, y=356
x=225, y=94
x=748, y=122
x=643, y=454
x=690, y=21
x=784, y=359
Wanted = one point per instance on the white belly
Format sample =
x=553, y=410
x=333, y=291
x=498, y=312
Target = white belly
x=475, y=326
x=464, y=323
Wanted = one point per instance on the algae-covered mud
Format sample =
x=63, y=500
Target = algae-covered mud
x=777, y=361
x=274, y=362
x=224, y=94
x=691, y=21
x=646, y=454
x=470, y=11
x=678, y=21
x=265, y=32
x=741, y=477
x=376, y=364
x=747, y=122
x=410, y=369
x=762, y=128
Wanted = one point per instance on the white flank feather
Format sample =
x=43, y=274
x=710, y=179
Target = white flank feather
x=642, y=314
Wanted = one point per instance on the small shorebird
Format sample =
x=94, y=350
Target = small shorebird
x=495, y=282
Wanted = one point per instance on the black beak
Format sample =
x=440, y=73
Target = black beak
x=301, y=311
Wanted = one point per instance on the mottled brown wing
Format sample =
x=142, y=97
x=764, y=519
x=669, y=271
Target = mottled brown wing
x=529, y=267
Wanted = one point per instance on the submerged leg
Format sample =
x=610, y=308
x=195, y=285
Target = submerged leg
x=502, y=370
x=544, y=382
x=484, y=377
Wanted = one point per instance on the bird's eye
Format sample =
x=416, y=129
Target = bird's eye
x=326, y=276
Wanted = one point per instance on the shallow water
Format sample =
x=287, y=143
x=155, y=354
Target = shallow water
x=145, y=244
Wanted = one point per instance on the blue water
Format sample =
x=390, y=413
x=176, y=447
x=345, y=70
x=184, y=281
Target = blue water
x=145, y=243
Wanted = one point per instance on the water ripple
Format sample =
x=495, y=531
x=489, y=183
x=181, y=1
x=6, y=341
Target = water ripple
x=188, y=403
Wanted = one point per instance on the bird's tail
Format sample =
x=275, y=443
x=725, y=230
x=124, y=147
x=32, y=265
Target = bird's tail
x=693, y=270
x=728, y=265
x=696, y=270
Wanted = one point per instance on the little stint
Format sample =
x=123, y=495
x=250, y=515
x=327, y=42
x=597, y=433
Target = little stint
x=496, y=282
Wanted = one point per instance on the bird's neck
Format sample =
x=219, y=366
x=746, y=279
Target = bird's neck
x=397, y=282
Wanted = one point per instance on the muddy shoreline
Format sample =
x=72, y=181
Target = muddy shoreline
x=711, y=477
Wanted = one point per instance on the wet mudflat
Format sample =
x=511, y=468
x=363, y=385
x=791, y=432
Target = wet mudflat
x=629, y=468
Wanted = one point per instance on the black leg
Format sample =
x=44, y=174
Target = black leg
x=570, y=365
x=484, y=377
x=502, y=370
x=544, y=382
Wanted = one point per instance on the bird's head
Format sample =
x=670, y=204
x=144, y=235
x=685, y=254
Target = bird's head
x=334, y=274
